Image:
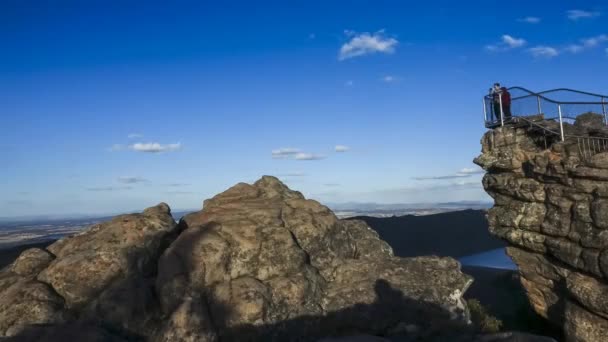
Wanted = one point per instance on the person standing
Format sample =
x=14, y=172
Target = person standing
x=495, y=91
x=501, y=95
x=506, y=102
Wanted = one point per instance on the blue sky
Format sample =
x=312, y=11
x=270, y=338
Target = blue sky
x=109, y=106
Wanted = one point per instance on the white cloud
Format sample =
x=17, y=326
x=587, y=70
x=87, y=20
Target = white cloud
x=341, y=148
x=293, y=174
x=178, y=184
x=587, y=43
x=366, y=43
x=155, y=147
x=116, y=147
x=529, y=20
x=283, y=153
x=513, y=42
x=109, y=188
x=389, y=78
x=581, y=14
x=135, y=136
x=574, y=48
x=471, y=171
x=349, y=83
x=542, y=51
x=594, y=41
x=508, y=42
x=463, y=173
x=130, y=180
x=309, y=156
x=606, y=50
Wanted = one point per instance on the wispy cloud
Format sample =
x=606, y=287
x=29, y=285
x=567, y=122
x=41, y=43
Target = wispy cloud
x=578, y=14
x=587, y=43
x=155, y=147
x=135, y=136
x=542, y=51
x=131, y=180
x=292, y=174
x=507, y=42
x=177, y=184
x=349, y=83
x=529, y=20
x=463, y=173
x=367, y=43
x=341, y=148
x=180, y=192
x=389, y=78
x=284, y=152
x=309, y=156
x=331, y=185
x=109, y=188
x=116, y=147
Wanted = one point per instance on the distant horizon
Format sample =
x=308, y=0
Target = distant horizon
x=333, y=206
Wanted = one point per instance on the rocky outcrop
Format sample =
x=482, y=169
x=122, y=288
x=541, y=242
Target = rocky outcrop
x=258, y=262
x=551, y=205
x=264, y=256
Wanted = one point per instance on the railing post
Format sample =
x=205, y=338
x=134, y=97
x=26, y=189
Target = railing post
x=538, y=103
x=561, y=123
x=502, y=121
x=604, y=111
x=485, y=111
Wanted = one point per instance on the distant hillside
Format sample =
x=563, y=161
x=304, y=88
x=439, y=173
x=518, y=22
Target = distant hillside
x=455, y=234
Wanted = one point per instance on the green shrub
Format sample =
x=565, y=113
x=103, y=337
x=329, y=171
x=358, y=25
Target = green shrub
x=485, y=322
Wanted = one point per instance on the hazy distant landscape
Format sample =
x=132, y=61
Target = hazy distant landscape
x=25, y=230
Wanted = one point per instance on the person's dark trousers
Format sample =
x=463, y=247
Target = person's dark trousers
x=497, y=110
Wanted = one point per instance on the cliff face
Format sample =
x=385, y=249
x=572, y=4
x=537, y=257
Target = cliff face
x=551, y=206
x=259, y=262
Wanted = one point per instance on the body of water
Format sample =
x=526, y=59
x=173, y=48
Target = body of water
x=496, y=258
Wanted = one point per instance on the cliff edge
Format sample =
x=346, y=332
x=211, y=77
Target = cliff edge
x=551, y=206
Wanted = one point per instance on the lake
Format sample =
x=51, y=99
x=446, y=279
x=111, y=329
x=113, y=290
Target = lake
x=496, y=258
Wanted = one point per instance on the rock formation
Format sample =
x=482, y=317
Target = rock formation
x=551, y=205
x=258, y=262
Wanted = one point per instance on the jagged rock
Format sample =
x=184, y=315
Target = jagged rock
x=91, y=262
x=264, y=256
x=29, y=302
x=31, y=262
x=258, y=262
x=99, y=274
x=551, y=205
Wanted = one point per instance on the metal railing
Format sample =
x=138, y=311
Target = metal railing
x=571, y=103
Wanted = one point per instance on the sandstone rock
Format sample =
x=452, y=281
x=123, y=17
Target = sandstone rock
x=128, y=244
x=31, y=262
x=258, y=262
x=582, y=325
x=264, y=256
x=29, y=302
x=551, y=206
